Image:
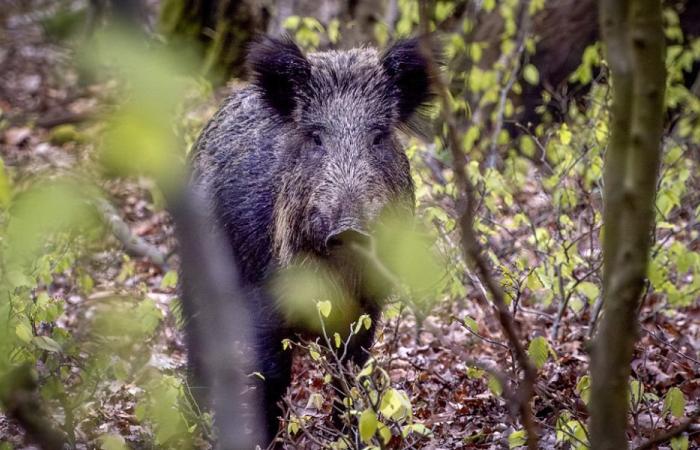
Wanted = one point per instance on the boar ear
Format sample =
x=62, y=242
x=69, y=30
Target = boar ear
x=280, y=69
x=408, y=71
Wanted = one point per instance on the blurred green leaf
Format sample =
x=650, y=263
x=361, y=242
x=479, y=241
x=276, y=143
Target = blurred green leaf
x=531, y=74
x=43, y=210
x=517, y=439
x=494, y=385
x=169, y=280
x=46, y=343
x=471, y=324
x=24, y=332
x=112, y=442
x=589, y=290
x=5, y=188
x=680, y=442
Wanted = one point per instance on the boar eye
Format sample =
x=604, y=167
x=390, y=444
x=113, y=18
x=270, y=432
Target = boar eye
x=378, y=138
x=316, y=136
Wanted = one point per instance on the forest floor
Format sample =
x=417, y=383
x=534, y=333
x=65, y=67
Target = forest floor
x=41, y=89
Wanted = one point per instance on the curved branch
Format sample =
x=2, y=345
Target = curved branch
x=471, y=247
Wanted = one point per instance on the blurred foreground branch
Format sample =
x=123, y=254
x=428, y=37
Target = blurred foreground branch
x=217, y=321
x=471, y=246
x=20, y=400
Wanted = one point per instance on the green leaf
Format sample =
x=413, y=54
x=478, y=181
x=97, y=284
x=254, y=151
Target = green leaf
x=395, y=404
x=337, y=339
x=46, y=343
x=24, y=332
x=141, y=411
x=112, y=442
x=385, y=433
x=471, y=324
x=334, y=31
x=474, y=372
x=565, y=135
x=679, y=442
x=636, y=393
x=675, y=402
x=366, y=321
x=366, y=370
x=494, y=385
x=583, y=388
x=316, y=356
x=391, y=403
x=62, y=134
x=538, y=350
x=560, y=426
x=169, y=280
x=368, y=425
x=531, y=74
x=291, y=23
x=5, y=188
x=324, y=308
x=418, y=428
x=315, y=401
x=517, y=439
x=293, y=426
x=589, y=290
x=286, y=344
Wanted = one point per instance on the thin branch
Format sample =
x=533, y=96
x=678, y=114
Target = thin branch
x=483, y=338
x=133, y=244
x=471, y=246
x=566, y=298
x=513, y=59
x=670, y=434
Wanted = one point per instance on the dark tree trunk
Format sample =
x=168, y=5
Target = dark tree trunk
x=223, y=29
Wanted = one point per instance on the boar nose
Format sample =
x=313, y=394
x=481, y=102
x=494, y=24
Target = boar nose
x=346, y=237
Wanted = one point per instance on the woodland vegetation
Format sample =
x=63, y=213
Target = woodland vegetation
x=557, y=179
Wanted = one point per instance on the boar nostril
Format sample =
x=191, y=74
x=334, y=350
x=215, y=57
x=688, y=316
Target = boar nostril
x=346, y=237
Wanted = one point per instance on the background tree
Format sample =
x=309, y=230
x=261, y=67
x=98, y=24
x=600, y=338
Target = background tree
x=634, y=41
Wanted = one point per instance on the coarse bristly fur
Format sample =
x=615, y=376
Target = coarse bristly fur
x=308, y=148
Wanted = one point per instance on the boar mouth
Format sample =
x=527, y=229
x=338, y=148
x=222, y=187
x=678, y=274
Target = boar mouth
x=348, y=238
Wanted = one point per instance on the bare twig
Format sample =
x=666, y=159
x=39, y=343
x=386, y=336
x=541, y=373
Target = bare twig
x=513, y=59
x=471, y=246
x=483, y=338
x=670, y=434
x=567, y=297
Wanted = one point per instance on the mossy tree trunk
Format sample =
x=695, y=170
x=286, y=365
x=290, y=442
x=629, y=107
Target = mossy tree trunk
x=633, y=36
x=223, y=29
